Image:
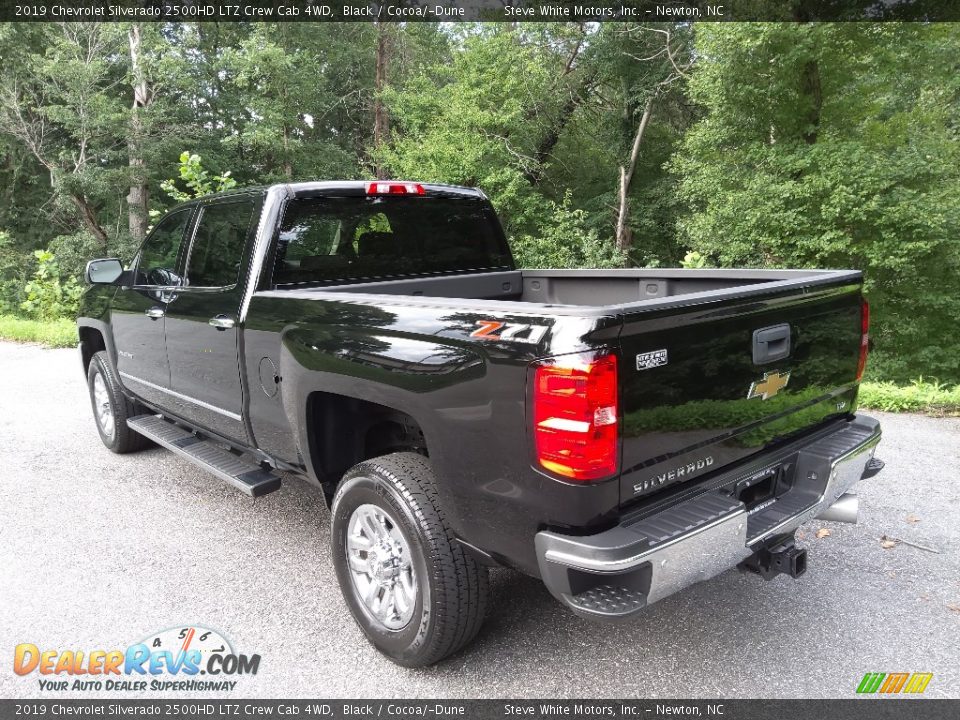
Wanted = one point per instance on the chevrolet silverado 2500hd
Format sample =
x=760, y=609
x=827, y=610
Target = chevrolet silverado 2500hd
x=620, y=434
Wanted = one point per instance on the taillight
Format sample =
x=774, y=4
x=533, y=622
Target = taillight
x=395, y=188
x=575, y=415
x=864, y=337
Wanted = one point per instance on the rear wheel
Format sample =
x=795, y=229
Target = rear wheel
x=413, y=590
x=111, y=408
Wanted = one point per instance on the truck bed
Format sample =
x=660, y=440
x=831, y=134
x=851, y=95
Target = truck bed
x=608, y=289
x=691, y=408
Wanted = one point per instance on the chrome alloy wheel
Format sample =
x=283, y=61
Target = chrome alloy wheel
x=381, y=568
x=102, y=406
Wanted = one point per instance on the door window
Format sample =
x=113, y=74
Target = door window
x=218, y=243
x=158, y=255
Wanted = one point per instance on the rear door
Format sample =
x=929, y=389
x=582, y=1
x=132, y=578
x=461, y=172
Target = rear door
x=709, y=384
x=201, y=321
x=138, y=312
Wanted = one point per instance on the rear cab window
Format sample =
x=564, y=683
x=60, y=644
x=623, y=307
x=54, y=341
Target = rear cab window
x=330, y=240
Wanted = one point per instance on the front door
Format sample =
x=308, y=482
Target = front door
x=201, y=322
x=137, y=312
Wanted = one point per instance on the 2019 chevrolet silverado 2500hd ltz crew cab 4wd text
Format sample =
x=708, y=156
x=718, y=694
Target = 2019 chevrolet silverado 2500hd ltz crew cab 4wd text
x=620, y=434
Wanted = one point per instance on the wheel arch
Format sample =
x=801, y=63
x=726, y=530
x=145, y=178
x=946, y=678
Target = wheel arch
x=94, y=336
x=342, y=431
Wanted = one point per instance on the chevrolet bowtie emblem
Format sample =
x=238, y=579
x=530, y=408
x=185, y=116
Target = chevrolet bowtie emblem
x=771, y=384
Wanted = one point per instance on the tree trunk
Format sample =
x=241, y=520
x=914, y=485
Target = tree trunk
x=813, y=90
x=381, y=119
x=90, y=221
x=549, y=141
x=138, y=198
x=287, y=165
x=810, y=82
x=623, y=236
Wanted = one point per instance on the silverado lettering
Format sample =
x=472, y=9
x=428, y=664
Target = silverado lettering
x=675, y=474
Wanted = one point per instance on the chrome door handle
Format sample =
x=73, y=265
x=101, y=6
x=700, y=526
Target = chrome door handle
x=222, y=322
x=155, y=313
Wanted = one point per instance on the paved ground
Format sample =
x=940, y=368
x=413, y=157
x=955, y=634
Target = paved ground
x=98, y=550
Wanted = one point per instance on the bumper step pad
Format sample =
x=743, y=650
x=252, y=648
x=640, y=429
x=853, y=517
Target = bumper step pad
x=239, y=471
x=611, y=600
x=682, y=519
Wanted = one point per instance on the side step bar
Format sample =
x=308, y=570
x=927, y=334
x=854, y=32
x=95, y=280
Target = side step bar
x=241, y=472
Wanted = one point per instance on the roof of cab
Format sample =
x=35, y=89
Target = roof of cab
x=359, y=187
x=333, y=188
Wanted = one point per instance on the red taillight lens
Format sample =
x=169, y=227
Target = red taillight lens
x=395, y=188
x=864, y=337
x=575, y=415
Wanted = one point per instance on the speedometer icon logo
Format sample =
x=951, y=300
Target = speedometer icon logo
x=183, y=639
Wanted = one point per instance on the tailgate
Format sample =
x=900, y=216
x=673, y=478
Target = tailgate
x=710, y=384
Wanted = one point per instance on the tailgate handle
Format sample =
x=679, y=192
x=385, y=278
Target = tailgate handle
x=771, y=343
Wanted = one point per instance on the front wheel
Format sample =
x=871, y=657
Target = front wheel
x=413, y=590
x=111, y=408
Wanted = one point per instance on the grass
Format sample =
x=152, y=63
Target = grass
x=921, y=395
x=53, y=333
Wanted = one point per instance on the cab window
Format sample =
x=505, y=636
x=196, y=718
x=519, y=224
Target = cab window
x=218, y=242
x=157, y=264
x=340, y=239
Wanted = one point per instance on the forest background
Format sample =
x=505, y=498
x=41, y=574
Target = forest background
x=601, y=145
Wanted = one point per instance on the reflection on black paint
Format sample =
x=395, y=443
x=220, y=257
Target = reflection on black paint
x=697, y=404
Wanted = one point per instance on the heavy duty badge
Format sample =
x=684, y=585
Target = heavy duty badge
x=772, y=383
x=652, y=359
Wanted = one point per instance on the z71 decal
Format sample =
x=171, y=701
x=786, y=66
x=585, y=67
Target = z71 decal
x=509, y=332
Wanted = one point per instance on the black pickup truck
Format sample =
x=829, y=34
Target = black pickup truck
x=620, y=434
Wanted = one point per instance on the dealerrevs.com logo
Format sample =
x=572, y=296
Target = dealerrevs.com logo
x=177, y=659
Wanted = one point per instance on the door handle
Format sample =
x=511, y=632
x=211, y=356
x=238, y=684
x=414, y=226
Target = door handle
x=155, y=313
x=222, y=322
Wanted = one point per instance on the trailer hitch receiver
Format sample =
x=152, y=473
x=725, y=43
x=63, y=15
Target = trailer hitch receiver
x=776, y=558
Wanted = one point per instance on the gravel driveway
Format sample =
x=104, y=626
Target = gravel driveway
x=99, y=550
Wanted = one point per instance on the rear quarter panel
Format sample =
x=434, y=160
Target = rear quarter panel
x=468, y=396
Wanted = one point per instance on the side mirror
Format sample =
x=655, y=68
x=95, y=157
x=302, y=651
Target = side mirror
x=107, y=271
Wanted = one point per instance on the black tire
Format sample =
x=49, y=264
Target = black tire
x=452, y=587
x=122, y=439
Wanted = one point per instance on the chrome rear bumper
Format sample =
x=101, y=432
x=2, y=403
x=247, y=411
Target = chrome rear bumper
x=616, y=573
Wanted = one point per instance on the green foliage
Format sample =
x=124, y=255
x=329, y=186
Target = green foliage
x=793, y=145
x=12, y=274
x=565, y=242
x=60, y=333
x=287, y=81
x=74, y=250
x=919, y=396
x=468, y=123
x=48, y=296
x=513, y=112
x=198, y=180
x=835, y=146
x=693, y=261
x=598, y=138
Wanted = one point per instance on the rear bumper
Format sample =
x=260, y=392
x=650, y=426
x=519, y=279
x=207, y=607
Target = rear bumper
x=616, y=573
